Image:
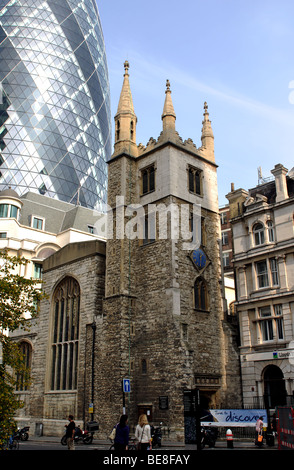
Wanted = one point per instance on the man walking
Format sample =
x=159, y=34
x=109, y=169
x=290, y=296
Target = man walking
x=70, y=433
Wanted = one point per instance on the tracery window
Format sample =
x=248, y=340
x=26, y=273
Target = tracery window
x=200, y=294
x=65, y=335
x=194, y=176
x=22, y=377
x=148, y=179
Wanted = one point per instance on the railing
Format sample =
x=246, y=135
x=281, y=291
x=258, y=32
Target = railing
x=270, y=401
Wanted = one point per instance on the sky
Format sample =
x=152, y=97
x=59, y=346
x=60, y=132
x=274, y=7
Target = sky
x=236, y=55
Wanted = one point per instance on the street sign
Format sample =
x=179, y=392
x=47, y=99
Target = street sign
x=126, y=385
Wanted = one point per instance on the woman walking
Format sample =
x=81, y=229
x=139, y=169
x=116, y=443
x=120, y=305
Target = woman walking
x=143, y=433
x=121, y=439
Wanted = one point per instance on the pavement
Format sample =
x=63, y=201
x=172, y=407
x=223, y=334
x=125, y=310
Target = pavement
x=221, y=444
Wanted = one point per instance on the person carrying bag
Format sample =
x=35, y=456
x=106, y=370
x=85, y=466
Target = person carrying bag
x=143, y=434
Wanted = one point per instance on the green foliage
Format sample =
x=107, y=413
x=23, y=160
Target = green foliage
x=19, y=299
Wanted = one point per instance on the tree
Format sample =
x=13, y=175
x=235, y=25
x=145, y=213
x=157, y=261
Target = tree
x=19, y=300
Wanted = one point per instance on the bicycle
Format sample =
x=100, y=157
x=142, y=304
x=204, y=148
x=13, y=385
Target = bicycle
x=10, y=444
x=131, y=446
x=13, y=443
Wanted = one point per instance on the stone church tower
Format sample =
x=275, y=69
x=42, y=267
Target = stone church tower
x=145, y=306
x=163, y=327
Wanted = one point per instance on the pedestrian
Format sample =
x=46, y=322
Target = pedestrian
x=70, y=433
x=143, y=433
x=121, y=439
x=274, y=424
x=258, y=428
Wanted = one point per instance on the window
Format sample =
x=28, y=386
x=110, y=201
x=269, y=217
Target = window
x=117, y=130
x=226, y=260
x=132, y=130
x=13, y=212
x=225, y=238
x=200, y=294
x=3, y=234
x=262, y=275
x=144, y=366
x=194, y=180
x=42, y=189
x=7, y=210
x=38, y=269
x=22, y=377
x=266, y=325
x=223, y=217
x=38, y=223
x=148, y=179
x=4, y=210
x=258, y=231
x=279, y=321
x=274, y=272
x=65, y=335
x=271, y=323
x=90, y=228
x=271, y=234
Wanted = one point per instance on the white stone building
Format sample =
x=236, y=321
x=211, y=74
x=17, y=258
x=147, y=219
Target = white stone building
x=34, y=226
x=262, y=221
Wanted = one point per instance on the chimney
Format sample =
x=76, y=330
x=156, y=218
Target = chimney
x=279, y=173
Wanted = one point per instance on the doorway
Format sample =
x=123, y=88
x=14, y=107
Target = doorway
x=274, y=387
x=145, y=410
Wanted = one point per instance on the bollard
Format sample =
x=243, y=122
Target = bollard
x=230, y=441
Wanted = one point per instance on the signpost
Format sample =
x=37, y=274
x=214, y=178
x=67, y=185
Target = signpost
x=196, y=400
x=126, y=388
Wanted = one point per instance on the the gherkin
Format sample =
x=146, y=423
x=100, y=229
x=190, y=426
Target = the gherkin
x=55, y=134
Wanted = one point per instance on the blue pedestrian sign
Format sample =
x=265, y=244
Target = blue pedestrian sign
x=126, y=385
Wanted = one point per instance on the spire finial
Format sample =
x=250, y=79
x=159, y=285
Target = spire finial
x=126, y=66
x=168, y=116
x=207, y=134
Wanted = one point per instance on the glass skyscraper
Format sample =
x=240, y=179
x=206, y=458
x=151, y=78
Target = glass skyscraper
x=55, y=134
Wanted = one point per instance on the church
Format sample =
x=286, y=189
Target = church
x=144, y=309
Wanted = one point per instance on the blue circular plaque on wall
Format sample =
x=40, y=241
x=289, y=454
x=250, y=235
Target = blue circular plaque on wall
x=199, y=258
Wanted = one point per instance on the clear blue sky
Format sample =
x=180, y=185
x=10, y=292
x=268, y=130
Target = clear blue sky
x=237, y=55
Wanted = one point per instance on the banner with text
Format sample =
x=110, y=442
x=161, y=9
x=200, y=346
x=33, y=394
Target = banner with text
x=236, y=418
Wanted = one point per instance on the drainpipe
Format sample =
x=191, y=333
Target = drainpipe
x=93, y=365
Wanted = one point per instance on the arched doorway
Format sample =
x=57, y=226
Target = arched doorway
x=274, y=387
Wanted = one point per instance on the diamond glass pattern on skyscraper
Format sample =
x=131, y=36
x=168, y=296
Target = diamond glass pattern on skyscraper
x=55, y=123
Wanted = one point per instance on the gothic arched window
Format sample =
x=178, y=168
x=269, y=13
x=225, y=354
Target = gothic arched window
x=65, y=335
x=200, y=294
x=22, y=377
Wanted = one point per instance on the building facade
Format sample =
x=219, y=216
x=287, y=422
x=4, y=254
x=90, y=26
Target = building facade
x=227, y=258
x=34, y=226
x=55, y=112
x=147, y=306
x=263, y=229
